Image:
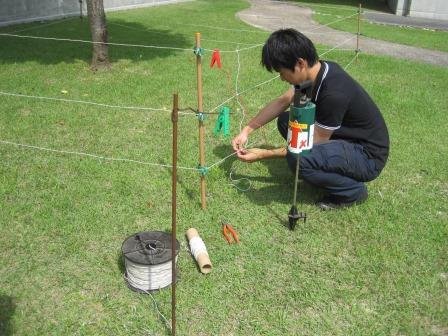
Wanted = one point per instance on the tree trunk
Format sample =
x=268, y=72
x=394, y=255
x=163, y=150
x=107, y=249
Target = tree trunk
x=98, y=30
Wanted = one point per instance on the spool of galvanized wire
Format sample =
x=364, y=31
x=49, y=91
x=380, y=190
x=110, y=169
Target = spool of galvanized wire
x=147, y=257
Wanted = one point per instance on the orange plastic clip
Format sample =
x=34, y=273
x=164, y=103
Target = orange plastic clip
x=216, y=58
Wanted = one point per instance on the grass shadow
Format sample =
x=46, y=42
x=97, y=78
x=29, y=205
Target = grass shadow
x=278, y=183
x=21, y=50
x=120, y=262
x=7, y=308
x=180, y=181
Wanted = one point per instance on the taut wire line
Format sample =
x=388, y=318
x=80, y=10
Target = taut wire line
x=330, y=23
x=354, y=57
x=243, y=111
x=89, y=103
x=93, y=42
x=242, y=92
x=111, y=43
x=251, y=47
x=92, y=155
x=342, y=43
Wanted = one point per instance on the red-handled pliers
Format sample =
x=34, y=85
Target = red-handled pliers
x=226, y=228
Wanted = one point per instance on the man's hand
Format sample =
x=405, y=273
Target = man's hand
x=240, y=141
x=252, y=154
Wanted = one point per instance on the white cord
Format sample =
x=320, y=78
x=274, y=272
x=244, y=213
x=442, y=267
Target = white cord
x=92, y=155
x=240, y=93
x=148, y=277
x=112, y=43
x=156, y=306
x=236, y=181
x=354, y=57
x=86, y=102
x=344, y=42
x=158, y=310
x=243, y=114
x=330, y=23
x=197, y=247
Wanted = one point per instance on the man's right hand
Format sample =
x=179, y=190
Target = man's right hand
x=240, y=141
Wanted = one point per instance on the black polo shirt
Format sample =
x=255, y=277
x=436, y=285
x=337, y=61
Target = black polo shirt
x=345, y=108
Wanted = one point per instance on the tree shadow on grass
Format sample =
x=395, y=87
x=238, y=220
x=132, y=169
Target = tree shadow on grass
x=20, y=50
x=7, y=308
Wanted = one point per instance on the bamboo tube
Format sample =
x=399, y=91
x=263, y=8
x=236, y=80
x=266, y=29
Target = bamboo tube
x=201, y=255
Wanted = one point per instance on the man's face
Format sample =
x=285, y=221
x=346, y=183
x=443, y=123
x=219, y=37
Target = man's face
x=286, y=75
x=296, y=76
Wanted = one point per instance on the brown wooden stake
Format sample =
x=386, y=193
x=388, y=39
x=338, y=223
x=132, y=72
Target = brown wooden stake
x=359, y=33
x=173, y=215
x=201, y=122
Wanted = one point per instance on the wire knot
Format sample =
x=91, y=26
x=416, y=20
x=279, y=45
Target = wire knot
x=202, y=170
x=201, y=116
x=198, y=51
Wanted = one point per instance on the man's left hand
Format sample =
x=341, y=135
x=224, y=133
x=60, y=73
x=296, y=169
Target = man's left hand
x=252, y=154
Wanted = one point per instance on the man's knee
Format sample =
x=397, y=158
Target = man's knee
x=292, y=162
x=306, y=169
x=282, y=124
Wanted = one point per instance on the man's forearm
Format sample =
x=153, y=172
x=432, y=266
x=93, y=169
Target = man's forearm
x=256, y=154
x=274, y=153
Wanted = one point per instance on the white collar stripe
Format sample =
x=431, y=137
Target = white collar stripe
x=322, y=80
x=327, y=127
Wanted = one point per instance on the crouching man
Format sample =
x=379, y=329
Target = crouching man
x=351, y=141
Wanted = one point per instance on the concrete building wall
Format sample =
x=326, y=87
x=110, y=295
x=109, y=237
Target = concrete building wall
x=434, y=9
x=397, y=6
x=21, y=11
x=431, y=9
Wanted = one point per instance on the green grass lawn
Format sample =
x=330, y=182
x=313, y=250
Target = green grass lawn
x=380, y=268
x=327, y=11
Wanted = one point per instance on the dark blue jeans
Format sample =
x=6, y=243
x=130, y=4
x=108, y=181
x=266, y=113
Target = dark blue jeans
x=338, y=167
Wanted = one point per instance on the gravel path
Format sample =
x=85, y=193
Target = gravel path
x=272, y=15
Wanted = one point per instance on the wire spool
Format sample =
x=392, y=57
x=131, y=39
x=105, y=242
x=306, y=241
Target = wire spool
x=147, y=257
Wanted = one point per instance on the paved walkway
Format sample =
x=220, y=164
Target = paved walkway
x=407, y=21
x=272, y=15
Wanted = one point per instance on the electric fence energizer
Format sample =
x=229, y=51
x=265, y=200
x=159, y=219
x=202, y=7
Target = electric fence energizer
x=300, y=137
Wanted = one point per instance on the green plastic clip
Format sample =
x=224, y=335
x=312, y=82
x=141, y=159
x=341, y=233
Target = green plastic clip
x=198, y=51
x=223, y=122
x=202, y=170
x=201, y=116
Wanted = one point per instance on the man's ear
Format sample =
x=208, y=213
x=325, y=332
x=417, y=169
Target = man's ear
x=301, y=64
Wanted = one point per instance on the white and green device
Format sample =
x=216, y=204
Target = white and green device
x=300, y=137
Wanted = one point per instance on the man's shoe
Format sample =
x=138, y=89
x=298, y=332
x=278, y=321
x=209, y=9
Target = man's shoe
x=328, y=203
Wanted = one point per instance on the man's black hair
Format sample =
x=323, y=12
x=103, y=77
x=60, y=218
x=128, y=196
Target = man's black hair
x=284, y=48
